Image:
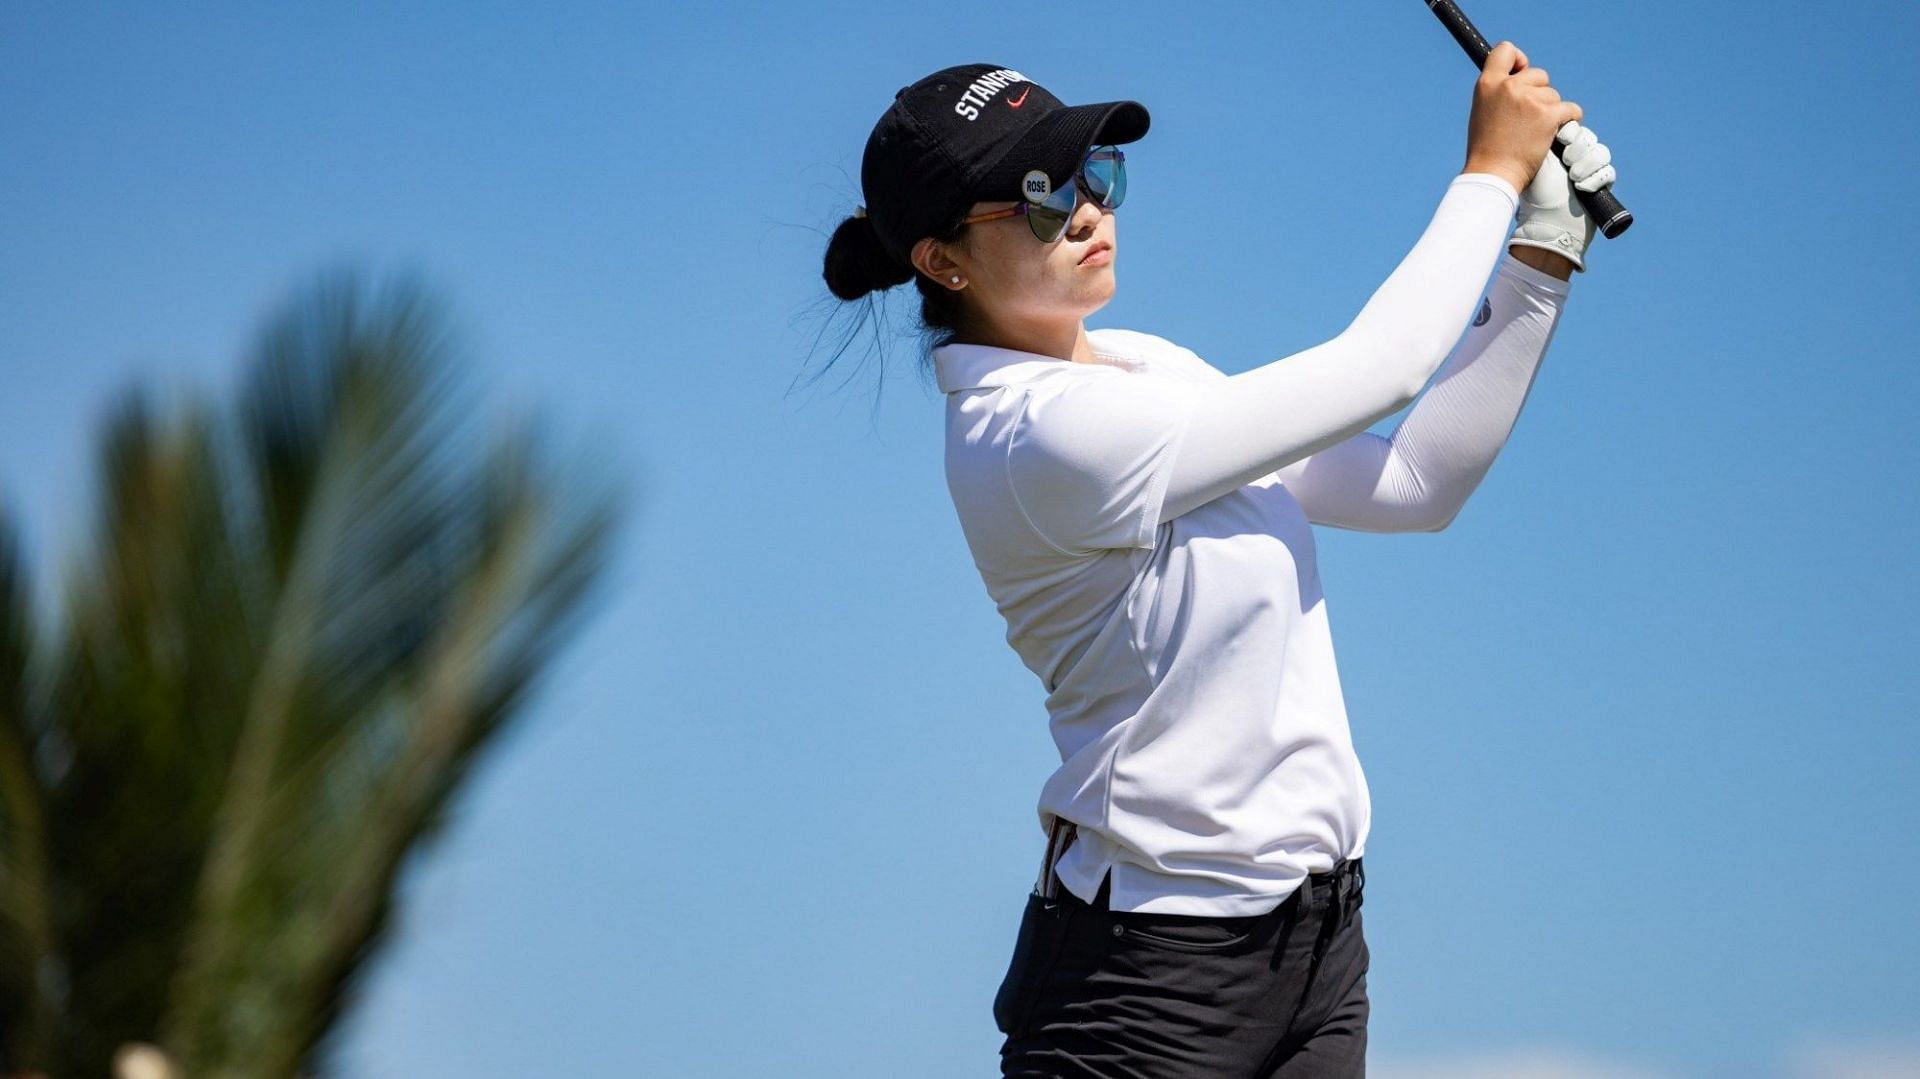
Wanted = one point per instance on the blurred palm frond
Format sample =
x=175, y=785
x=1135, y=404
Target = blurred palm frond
x=296, y=634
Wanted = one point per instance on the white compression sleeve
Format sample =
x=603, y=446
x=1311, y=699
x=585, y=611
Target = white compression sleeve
x=1417, y=479
x=1247, y=425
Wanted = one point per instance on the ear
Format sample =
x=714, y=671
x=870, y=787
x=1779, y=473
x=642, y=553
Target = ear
x=931, y=257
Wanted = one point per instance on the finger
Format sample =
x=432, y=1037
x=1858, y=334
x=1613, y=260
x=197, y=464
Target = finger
x=1591, y=162
x=1533, y=76
x=1567, y=110
x=1598, y=180
x=1500, y=61
x=1579, y=140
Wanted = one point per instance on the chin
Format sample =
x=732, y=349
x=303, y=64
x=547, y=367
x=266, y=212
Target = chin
x=1095, y=303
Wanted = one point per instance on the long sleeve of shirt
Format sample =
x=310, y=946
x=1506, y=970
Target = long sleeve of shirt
x=1418, y=478
x=1243, y=427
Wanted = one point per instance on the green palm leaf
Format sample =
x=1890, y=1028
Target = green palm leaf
x=298, y=632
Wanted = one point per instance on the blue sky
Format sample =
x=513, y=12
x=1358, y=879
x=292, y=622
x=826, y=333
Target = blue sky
x=1639, y=727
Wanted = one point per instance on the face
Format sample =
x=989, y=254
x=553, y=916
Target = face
x=1014, y=281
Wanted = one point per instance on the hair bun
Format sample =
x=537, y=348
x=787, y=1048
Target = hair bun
x=856, y=263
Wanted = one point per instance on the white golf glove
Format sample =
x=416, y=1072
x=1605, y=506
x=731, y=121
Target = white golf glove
x=1551, y=216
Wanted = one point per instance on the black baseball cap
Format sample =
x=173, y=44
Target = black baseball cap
x=968, y=134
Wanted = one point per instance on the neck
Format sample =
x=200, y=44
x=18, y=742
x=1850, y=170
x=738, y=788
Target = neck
x=1065, y=341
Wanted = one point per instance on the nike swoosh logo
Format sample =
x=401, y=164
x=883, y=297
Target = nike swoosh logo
x=1012, y=104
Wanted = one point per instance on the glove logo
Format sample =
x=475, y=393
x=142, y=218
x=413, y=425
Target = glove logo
x=1486, y=312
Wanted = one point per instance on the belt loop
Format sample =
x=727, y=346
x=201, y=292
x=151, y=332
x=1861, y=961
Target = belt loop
x=1055, y=846
x=1353, y=880
x=1342, y=888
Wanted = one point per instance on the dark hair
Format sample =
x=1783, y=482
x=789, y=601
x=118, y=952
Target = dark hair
x=856, y=264
x=857, y=268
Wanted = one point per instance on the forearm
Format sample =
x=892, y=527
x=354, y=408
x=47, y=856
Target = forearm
x=1250, y=424
x=1447, y=442
x=1416, y=315
x=1417, y=479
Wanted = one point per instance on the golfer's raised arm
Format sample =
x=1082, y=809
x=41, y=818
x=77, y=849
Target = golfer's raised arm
x=1418, y=478
x=1265, y=419
x=1245, y=426
x=1104, y=463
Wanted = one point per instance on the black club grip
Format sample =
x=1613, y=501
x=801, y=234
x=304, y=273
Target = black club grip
x=1609, y=216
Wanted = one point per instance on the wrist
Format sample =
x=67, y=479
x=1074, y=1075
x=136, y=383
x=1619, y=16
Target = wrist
x=1506, y=172
x=1543, y=260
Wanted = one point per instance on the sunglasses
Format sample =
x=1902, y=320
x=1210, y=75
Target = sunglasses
x=1102, y=174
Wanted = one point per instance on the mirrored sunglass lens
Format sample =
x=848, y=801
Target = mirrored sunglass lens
x=1106, y=175
x=1049, y=217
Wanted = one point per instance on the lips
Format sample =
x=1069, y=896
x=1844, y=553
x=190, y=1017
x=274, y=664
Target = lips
x=1096, y=249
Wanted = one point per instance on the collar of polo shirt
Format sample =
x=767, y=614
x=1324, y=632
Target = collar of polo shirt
x=961, y=366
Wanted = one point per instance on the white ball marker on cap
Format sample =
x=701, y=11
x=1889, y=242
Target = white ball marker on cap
x=1036, y=185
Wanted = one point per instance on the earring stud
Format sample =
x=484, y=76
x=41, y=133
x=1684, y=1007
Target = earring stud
x=955, y=279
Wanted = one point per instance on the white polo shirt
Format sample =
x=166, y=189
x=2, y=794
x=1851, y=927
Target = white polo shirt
x=1189, y=666
x=1188, y=663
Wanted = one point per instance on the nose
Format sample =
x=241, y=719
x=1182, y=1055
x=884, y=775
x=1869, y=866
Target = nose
x=1086, y=215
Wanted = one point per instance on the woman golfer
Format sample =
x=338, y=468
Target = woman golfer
x=1141, y=519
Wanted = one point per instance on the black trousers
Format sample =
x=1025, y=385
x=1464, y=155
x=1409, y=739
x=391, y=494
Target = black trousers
x=1094, y=992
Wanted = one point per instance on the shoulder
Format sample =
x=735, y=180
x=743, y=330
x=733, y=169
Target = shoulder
x=1128, y=344
x=1102, y=421
x=1139, y=349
